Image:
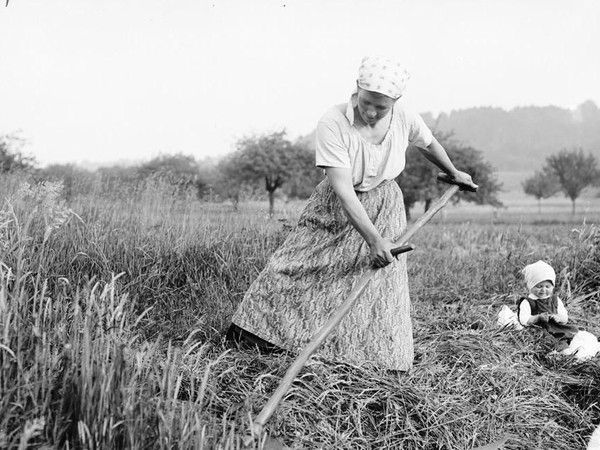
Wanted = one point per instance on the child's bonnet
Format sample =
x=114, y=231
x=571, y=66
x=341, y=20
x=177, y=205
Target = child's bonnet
x=537, y=272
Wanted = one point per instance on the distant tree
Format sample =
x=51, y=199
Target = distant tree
x=419, y=178
x=12, y=157
x=304, y=174
x=268, y=158
x=575, y=171
x=118, y=180
x=181, y=171
x=76, y=180
x=542, y=184
x=472, y=161
x=208, y=176
x=228, y=184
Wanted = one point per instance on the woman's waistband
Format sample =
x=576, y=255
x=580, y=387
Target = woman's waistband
x=384, y=183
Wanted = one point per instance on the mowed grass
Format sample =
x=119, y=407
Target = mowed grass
x=112, y=313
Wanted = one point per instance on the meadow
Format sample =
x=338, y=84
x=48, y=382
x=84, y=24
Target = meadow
x=113, y=309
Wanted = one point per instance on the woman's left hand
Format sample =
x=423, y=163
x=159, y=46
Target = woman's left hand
x=464, y=179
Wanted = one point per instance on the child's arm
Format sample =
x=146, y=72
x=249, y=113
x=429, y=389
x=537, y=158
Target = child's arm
x=525, y=317
x=561, y=315
x=524, y=313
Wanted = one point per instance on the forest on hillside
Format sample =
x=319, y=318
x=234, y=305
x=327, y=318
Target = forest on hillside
x=522, y=137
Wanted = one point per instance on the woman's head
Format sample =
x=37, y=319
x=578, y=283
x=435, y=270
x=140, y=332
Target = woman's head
x=382, y=75
x=380, y=83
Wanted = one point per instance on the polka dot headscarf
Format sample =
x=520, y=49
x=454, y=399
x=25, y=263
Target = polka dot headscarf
x=383, y=75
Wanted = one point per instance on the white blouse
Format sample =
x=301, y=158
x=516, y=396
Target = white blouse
x=339, y=144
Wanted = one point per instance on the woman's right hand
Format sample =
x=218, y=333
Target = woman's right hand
x=381, y=252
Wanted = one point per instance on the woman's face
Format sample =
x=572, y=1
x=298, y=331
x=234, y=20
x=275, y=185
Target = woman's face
x=373, y=106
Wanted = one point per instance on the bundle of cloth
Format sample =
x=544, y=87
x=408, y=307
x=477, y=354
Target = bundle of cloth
x=594, y=443
x=543, y=308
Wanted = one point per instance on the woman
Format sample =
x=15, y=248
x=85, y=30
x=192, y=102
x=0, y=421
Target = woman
x=347, y=226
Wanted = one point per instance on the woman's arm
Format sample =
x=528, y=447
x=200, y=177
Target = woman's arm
x=341, y=182
x=438, y=156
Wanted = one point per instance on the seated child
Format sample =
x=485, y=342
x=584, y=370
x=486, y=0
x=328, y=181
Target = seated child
x=542, y=307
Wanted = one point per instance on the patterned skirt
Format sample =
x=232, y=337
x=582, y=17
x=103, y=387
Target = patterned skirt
x=315, y=269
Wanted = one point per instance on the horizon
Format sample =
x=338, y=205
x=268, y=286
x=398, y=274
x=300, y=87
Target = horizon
x=126, y=162
x=113, y=80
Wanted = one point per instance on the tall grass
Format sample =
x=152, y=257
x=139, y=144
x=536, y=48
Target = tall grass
x=112, y=312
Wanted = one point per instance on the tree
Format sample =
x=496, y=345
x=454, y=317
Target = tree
x=304, y=175
x=541, y=185
x=12, y=158
x=180, y=171
x=118, y=180
x=75, y=180
x=575, y=171
x=472, y=161
x=268, y=158
x=228, y=184
x=208, y=175
x=419, y=178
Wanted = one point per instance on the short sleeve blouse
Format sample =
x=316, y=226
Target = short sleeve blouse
x=339, y=144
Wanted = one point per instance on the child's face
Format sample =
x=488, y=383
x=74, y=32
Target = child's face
x=543, y=289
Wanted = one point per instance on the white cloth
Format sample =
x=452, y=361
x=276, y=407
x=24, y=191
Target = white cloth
x=594, y=443
x=583, y=346
x=508, y=318
x=561, y=315
x=537, y=272
x=339, y=144
x=383, y=75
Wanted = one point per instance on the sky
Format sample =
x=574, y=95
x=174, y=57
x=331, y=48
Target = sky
x=115, y=80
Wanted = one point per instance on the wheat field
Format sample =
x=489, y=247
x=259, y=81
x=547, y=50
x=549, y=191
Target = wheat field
x=112, y=313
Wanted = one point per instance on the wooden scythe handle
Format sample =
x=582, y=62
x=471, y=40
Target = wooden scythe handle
x=402, y=249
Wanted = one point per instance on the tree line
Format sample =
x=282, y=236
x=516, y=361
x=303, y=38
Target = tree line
x=522, y=136
x=569, y=171
x=265, y=165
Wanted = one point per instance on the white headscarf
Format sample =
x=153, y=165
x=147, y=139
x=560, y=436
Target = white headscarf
x=383, y=75
x=537, y=272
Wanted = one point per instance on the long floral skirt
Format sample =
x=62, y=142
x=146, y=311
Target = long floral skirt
x=315, y=269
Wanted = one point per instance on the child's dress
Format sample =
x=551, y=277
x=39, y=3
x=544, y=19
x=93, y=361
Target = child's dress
x=559, y=329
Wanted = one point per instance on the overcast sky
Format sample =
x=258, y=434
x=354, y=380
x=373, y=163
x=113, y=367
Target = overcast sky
x=123, y=79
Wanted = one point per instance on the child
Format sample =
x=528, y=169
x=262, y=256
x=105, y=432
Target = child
x=542, y=307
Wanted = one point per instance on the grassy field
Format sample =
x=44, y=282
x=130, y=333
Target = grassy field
x=112, y=313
